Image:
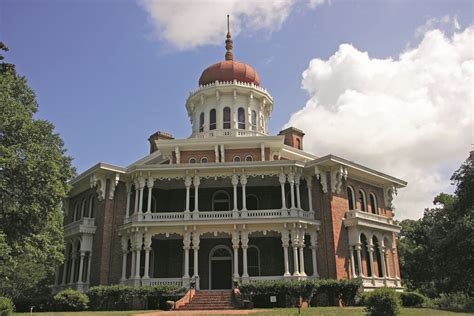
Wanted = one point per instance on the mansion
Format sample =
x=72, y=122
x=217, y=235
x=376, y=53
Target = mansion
x=230, y=203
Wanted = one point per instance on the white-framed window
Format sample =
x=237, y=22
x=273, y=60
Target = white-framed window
x=350, y=198
x=84, y=208
x=248, y=158
x=220, y=201
x=362, y=201
x=91, y=206
x=226, y=118
x=253, y=260
x=252, y=202
x=373, y=203
x=76, y=212
x=236, y=158
x=192, y=160
x=204, y=160
x=241, y=118
x=201, y=122
x=212, y=119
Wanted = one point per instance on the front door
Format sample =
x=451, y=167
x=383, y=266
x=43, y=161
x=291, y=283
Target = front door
x=221, y=274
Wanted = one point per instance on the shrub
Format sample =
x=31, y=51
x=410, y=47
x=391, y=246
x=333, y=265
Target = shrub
x=6, y=306
x=412, y=299
x=70, y=300
x=382, y=302
x=455, y=302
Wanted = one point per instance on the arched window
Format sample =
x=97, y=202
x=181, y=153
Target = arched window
x=212, y=119
x=84, y=208
x=91, y=206
x=241, y=117
x=248, y=158
x=220, y=201
x=76, y=212
x=362, y=201
x=378, y=257
x=153, y=205
x=253, y=261
x=192, y=160
x=226, y=118
x=254, y=121
x=236, y=159
x=350, y=198
x=298, y=143
x=373, y=203
x=204, y=160
x=252, y=202
x=365, y=255
x=201, y=122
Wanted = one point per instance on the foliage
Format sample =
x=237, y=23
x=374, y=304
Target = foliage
x=455, y=302
x=33, y=182
x=120, y=297
x=412, y=299
x=382, y=302
x=436, y=251
x=337, y=290
x=70, y=300
x=6, y=306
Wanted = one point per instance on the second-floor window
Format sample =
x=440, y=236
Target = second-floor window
x=241, y=117
x=362, y=201
x=212, y=119
x=221, y=201
x=226, y=118
x=350, y=198
x=373, y=203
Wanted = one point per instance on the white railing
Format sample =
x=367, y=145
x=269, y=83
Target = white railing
x=368, y=216
x=86, y=221
x=373, y=282
x=227, y=132
x=83, y=225
x=166, y=281
x=219, y=215
x=231, y=83
x=265, y=278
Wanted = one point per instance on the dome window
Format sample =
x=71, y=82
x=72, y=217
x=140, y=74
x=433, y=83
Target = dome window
x=236, y=158
x=248, y=158
x=226, y=117
x=192, y=160
x=204, y=160
x=212, y=119
x=241, y=116
x=201, y=122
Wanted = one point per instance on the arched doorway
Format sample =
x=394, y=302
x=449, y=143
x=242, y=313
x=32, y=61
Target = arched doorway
x=220, y=268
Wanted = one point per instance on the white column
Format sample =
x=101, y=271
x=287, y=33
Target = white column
x=298, y=196
x=262, y=151
x=137, y=196
x=301, y=250
x=235, y=182
x=216, y=148
x=89, y=261
x=314, y=247
x=282, y=179
x=285, y=242
x=149, y=184
x=196, y=258
x=394, y=262
x=222, y=153
x=382, y=259
x=243, y=182
x=291, y=180
x=140, y=199
x=138, y=240
x=147, y=244
x=186, y=246
x=128, y=185
x=124, y=242
x=244, y=239
x=351, y=257
x=134, y=261
x=294, y=244
x=73, y=266
x=235, y=246
x=359, y=259
x=196, y=183
x=310, y=193
x=387, y=265
x=81, y=266
x=370, y=248
x=187, y=183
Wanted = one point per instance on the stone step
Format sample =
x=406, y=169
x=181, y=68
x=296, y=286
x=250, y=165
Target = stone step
x=210, y=300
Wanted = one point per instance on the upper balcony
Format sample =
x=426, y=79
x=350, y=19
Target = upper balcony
x=369, y=220
x=84, y=225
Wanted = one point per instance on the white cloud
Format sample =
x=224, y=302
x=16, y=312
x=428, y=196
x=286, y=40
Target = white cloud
x=446, y=23
x=410, y=117
x=314, y=3
x=189, y=24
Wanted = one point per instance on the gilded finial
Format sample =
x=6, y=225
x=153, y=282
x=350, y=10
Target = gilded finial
x=229, y=44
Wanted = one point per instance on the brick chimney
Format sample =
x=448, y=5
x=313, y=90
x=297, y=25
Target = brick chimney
x=293, y=137
x=156, y=136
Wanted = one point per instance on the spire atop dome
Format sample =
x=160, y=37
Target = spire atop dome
x=229, y=44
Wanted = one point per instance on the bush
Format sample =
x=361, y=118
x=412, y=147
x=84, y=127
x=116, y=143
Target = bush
x=455, y=302
x=6, y=306
x=382, y=302
x=70, y=300
x=412, y=299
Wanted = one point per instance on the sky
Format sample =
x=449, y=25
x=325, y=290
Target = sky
x=387, y=84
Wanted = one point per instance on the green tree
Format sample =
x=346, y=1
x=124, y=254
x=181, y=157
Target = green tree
x=437, y=251
x=34, y=175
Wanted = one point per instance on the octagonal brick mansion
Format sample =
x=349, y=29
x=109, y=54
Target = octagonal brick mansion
x=230, y=203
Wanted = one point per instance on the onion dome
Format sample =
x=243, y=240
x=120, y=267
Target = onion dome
x=229, y=70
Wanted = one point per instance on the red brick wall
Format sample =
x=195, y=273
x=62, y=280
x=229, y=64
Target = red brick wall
x=115, y=263
x=378, y=192
x=186, y=155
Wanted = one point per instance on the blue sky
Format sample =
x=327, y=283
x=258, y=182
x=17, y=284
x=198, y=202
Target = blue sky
x=108, y=78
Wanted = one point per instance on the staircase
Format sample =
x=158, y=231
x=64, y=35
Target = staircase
x=206, y=300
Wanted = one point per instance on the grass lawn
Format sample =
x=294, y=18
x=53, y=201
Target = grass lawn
x=320, y=311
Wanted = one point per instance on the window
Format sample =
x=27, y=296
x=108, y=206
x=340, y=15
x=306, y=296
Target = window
x=212, y=119
x=192, y=160
x=241, y=116
x=204, y=160
x=378, y=257
x=201, y=122
x=298, y=143
x=252, y=202
x=365, y=256
x=254, y=121
x=76, y=212
x=248, y=158
x=253, y=263
x=236, y=158
x=226, y=117
x=362, y=201
x=350, y=198
x=84, y=208
x=91, y=206
x=220, y=201
x=373, y=203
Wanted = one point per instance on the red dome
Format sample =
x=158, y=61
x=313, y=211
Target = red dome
x=229, y=70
